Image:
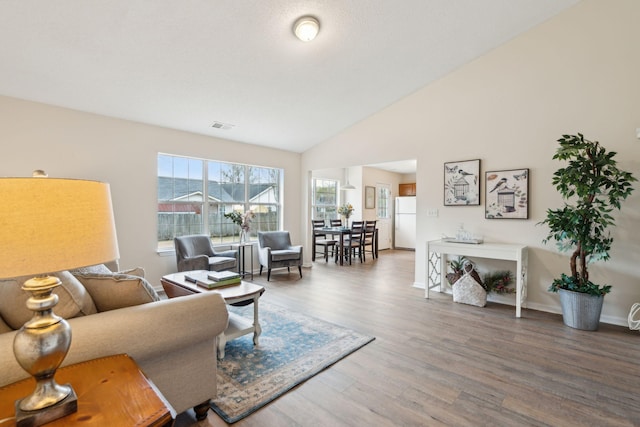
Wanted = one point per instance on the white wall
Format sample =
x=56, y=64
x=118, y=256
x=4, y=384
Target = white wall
x=73, y=144
x=578, y=72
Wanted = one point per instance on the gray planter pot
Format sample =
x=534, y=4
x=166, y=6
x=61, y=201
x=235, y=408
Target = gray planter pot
x=581, y=311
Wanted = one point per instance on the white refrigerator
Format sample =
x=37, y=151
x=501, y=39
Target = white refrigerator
x=405, y=222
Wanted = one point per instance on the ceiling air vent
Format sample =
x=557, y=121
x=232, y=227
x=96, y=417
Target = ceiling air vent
x=223, y=126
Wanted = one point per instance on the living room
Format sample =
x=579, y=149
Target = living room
x=506, y=108
x=576, y=72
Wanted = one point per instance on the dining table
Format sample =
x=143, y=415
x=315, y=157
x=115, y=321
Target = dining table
x=341, y=232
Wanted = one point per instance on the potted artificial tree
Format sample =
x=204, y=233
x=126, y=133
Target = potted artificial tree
x=592, y=186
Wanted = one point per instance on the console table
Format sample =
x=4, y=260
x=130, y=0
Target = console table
x=437, y=250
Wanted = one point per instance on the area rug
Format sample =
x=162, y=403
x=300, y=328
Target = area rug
x=293, y=347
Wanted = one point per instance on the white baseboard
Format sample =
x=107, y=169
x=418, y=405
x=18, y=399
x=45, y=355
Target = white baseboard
x=508, y=300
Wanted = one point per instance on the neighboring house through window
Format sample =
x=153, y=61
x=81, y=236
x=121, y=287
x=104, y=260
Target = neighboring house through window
x=182, y=207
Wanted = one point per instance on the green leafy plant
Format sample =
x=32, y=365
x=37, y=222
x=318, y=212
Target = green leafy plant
x=242, y=220
x=457, y=269
x=592, y=186
x=234, y=216
x=499, y=282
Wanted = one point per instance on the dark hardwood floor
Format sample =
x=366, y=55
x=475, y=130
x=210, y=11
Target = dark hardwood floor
x=435, y=362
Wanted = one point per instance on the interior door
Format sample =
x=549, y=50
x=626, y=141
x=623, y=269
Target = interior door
x=384, y=210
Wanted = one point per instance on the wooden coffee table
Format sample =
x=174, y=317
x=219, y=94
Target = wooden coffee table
x=175, y=285
x=112, y=391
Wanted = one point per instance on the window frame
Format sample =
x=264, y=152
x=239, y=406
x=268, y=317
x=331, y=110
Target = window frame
x=330, y=211
x=221, y=230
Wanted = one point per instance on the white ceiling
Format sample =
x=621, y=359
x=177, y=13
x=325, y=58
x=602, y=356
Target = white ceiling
x=400, y=166
x=187, y=64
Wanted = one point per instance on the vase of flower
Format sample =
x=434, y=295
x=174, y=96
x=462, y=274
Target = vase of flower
x=346, y=210
x=243, y=221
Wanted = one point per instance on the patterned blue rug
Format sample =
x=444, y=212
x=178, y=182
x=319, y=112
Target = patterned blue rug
x=293, y=347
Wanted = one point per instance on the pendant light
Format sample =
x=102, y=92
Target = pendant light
x=348, y=186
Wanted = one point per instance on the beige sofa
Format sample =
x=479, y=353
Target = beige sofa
x=173, y=341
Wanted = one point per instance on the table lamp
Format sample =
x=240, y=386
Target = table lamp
x=49, y=225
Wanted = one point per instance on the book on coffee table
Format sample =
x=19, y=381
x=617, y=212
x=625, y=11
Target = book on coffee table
x=212, y=279
x=194, y=276
x=212, y=284
x=218, y=276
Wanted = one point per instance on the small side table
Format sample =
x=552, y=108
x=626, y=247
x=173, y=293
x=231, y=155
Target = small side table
x=242, y=259
x=112, y=391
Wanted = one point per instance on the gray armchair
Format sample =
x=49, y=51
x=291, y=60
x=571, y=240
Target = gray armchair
x=275, y=251
x=197, y=253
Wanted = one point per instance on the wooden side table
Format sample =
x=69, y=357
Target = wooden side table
x=112, y=391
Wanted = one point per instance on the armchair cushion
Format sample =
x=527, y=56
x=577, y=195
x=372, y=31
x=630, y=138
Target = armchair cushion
x=73, y=300
x=284, y=254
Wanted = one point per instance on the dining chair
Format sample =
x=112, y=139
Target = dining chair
x=322, y=240
x=353, y=242
x=335, y=222
x=357, y=224
x=369, y=239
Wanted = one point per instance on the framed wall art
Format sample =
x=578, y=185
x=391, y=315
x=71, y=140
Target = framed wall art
x=507, y=194
x=462, y=183
x=369, y=197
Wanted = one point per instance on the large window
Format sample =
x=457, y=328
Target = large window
x=195, y=194
x=325, y=199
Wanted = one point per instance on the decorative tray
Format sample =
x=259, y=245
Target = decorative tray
x=467, y=241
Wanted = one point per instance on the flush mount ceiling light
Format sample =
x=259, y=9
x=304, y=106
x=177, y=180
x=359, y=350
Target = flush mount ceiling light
x=306, y=28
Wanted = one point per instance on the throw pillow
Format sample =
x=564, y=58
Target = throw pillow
x=138, y=271
x=73, y=300
x=92, y=269
x=113, y=291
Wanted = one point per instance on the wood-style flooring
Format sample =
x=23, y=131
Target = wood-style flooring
x=438, y=363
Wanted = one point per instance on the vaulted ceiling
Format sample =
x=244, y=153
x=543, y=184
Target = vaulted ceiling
x=191, y=64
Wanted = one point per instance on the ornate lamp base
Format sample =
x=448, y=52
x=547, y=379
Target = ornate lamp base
x=67, y=406
x=40, y=346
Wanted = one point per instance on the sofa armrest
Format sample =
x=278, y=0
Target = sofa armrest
x=198, y=262
x=145, y=332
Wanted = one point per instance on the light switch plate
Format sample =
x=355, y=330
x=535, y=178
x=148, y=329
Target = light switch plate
x=433, y=212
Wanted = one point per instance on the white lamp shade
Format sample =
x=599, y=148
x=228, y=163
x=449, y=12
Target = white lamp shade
x=306, y=28
x=49, y=225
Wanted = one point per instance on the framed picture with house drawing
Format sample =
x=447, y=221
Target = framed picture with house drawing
x=462, y=183
x=507, y=194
